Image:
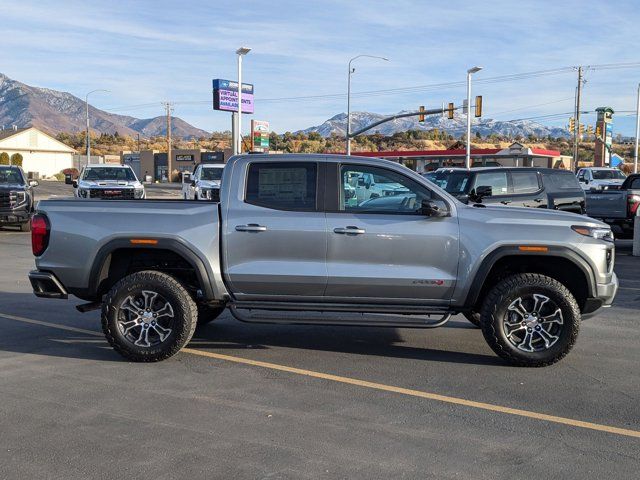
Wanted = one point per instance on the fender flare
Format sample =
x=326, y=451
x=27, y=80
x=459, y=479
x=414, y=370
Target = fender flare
x=203, y=273
x=490, y=260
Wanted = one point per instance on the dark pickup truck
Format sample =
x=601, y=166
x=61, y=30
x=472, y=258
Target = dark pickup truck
x=16, y=197
x=616, y=206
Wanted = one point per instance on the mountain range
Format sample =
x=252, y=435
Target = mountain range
x=456, y=126
x=53, y=112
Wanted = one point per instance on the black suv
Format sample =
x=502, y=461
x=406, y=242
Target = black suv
x=16, y=197
x=513, y=186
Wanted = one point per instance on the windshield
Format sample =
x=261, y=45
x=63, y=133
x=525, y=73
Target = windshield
x=108, y=173
x=608, y=175
x=211, y=174
x=454, y=183
x=10, y=175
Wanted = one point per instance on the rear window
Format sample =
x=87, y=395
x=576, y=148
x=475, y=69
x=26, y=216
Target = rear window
x=525, y=182
x=282, y=185
x=635, y=183
x=561, y=180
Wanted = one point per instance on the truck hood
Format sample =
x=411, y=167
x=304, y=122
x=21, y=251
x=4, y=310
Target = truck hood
x=605, y=183
x=527, y=216
x=108, y=184
x=209, y=183
x=12, y=186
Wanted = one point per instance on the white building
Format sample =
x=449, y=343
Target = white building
x=40, y=152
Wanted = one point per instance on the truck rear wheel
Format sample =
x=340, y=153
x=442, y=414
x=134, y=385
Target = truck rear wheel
x=148, y=316
x=530, y=320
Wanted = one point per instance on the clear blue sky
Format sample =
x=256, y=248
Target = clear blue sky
x=150, y=51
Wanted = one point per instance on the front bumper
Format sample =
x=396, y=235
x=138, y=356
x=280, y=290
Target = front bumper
x=14, y=216
x=606, y=292
x=47, y=285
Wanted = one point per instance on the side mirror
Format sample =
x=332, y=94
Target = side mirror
x=75, y=184
x=432, y=208
x=481, y=192
x=33, y=183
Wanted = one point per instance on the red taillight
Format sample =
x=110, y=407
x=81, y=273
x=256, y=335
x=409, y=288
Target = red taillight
x=634, y=201
x=39, y=234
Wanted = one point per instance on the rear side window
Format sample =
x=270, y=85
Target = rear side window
x=282, y=185
x=561, y=180
x=525, y=182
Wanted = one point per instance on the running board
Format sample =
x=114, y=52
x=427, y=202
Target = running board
x=325, y=314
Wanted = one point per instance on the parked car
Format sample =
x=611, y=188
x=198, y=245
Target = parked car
x=16, y=197
x=600, y=178
x=369, y=185
x=513, y=186
x=204, y=183
x=107, y=182
x=617, y=207
x=283, y=239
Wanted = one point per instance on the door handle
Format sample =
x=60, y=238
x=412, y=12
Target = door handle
x=505, y=202
x=251, y=227
x=350, y=230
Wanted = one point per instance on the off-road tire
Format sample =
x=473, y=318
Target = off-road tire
x=207, y=314
x=494, y=311
x=184, y=308
x=473, y=317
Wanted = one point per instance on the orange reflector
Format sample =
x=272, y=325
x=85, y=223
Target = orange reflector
x=143, y=241
x=532, y=248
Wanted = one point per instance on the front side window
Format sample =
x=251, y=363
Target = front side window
x=496, y=180
x=282, y=185
x=108, y=173
x=378, y=190
x=525, y=182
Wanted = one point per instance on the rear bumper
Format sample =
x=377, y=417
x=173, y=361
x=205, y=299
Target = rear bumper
x=46, y=285
x=606, y=293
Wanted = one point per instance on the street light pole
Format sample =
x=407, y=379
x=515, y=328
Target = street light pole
x=351, y=70
x=468, y=155
x=86, y=101
x=635, y=152
x=240, y=52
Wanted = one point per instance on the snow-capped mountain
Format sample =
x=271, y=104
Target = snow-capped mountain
x=53, y=111
x=456, y=126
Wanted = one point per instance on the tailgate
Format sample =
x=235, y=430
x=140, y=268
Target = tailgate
x=607, y=204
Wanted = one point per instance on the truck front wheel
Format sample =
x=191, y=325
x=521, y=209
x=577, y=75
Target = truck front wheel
x=530, y=320
x=148, y=316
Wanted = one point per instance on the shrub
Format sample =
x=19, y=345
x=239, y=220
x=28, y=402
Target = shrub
x=4, y=158
x=16, y=159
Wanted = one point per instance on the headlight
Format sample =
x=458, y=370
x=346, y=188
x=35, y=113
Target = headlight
x=17, y=198
x=139, y=193
x=600, y=233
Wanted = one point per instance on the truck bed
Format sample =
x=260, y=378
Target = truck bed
x=607, y=204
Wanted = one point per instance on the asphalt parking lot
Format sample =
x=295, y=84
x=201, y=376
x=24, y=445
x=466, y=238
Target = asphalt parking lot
x=247, y=401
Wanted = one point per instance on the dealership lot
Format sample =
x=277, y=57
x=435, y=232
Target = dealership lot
x=251, y=401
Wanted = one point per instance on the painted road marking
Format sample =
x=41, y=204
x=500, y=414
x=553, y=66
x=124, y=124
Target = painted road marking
x=366, y=384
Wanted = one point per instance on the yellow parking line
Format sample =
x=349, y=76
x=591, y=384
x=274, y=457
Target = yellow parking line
x=372, y=385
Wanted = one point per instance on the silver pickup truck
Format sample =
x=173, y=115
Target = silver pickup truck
x=284, y=245
x=616, y=206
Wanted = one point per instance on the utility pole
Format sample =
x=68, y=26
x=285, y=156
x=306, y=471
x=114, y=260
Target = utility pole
x=635, y=152
x=576, y=127
x=169, y=108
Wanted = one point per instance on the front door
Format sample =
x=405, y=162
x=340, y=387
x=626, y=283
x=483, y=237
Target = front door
x=275, y=240
x=385, y=249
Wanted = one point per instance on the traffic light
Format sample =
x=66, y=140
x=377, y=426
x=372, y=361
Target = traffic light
x=421, y=116
x=598, y=131
x=450, y=111
x=581, y=129
x=590, y=130
x=572, y=124
x=479, y=106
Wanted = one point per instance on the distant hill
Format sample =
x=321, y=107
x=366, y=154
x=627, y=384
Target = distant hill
x=456, y=126
x=54, y=112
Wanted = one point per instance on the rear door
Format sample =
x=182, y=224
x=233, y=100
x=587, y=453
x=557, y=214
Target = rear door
x=384, y=249
x=275, y=239
x=526, y=188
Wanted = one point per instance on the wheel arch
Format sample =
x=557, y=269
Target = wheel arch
x=560, y=263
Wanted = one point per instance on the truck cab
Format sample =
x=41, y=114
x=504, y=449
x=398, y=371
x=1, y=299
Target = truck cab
x=16, y=197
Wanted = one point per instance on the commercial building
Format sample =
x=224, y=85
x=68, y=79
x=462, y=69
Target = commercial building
x=516, y=155
x=42, y=155
x=152, y=165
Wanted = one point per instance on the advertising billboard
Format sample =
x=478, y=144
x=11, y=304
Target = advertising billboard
x=260, y=135
x=225, y=96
